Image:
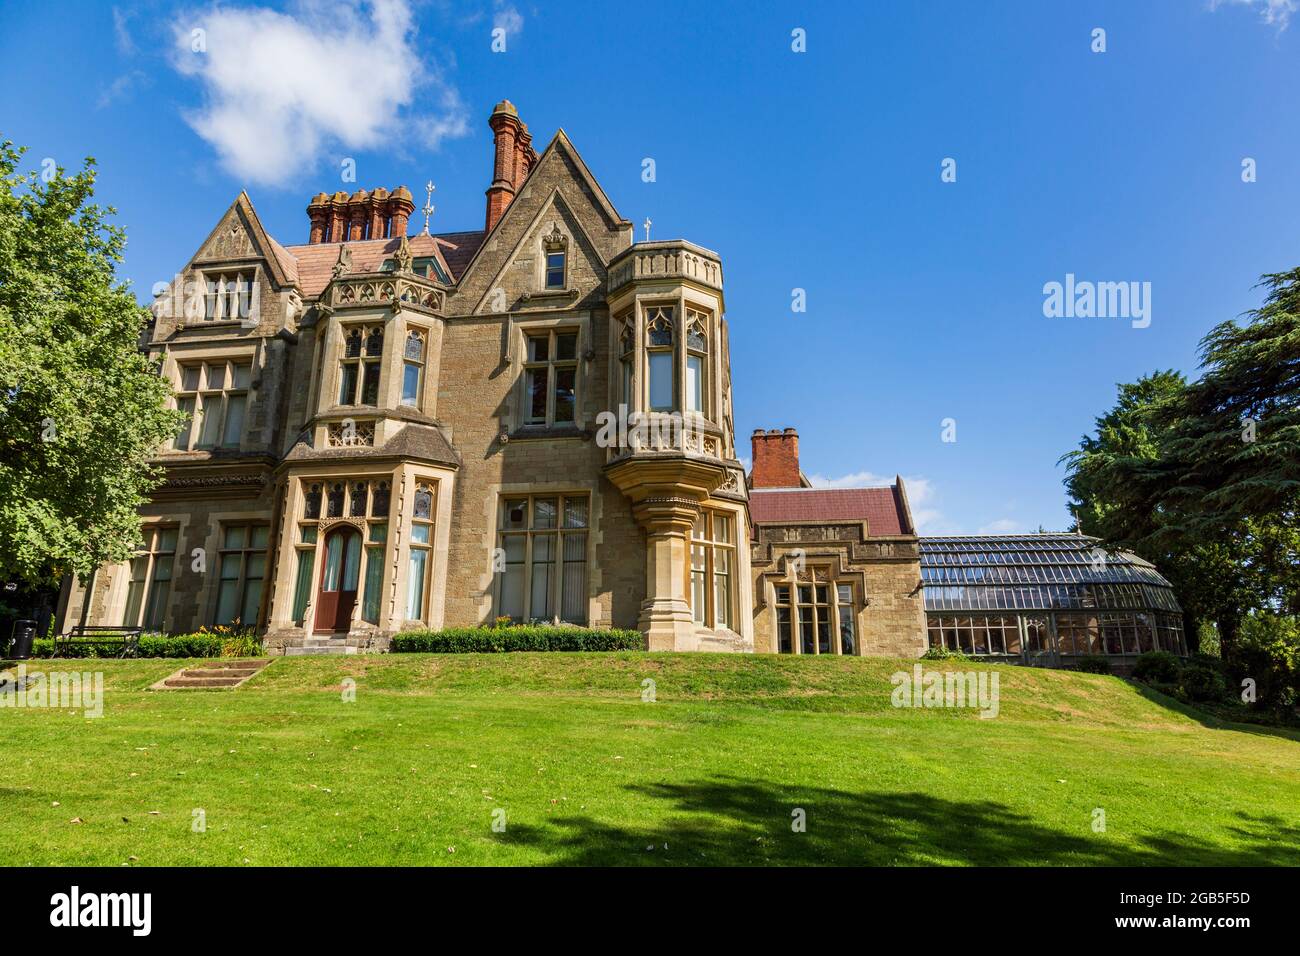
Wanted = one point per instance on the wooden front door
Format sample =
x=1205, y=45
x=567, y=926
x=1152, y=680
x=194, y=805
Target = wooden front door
x=338, y=580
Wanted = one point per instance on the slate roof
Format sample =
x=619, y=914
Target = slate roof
x=421, y=442
x=881, y=508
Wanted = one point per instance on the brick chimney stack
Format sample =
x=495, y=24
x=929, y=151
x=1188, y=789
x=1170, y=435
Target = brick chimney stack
x=513, y=159
x=378, y=214
x=776, y=459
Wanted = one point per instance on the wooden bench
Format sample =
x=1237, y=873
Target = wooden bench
x=126, y=638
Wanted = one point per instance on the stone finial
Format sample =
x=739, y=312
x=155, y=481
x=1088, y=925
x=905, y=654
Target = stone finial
x=344, y=264
x=402, y=257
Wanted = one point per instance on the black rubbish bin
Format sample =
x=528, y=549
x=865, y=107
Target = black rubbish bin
x=20, y=645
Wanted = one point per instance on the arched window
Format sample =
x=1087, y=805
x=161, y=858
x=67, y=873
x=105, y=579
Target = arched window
x=697, y=361
x=412, y=368
x=659, y=357
x=311, y=506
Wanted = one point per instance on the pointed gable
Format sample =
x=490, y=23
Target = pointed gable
x=559, y=179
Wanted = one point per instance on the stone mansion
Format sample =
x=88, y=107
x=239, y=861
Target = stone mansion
x=390, y=431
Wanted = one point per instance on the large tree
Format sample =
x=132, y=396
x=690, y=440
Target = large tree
x=81, y=410
x=1204, y=477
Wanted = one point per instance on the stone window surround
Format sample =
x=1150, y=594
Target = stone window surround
x=520, y=327
x=494, y=494
x=710, y=544
x=177, y=355
x=550, y=242
x=532, y=492
x=833, y=583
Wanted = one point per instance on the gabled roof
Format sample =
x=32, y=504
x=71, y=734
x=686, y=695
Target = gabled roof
x=882, y=508
x=560, y=142
x=281, y=270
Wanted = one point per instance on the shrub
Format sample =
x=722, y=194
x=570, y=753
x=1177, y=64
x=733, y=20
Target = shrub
x=943, y=654
x=1268, y=652
x=1156, y=667
x=1092, y=664
x=498, y=640
x=1203, y=682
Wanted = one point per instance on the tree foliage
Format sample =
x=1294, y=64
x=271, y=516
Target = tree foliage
x=81, y=410
x=1203, y=477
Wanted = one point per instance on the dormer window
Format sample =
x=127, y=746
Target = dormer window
x=556, y=247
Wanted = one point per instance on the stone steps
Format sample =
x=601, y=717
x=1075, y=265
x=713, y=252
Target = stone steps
x=212, y=674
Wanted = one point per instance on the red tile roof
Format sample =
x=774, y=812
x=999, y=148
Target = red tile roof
x=881, y=508
x=311, y=264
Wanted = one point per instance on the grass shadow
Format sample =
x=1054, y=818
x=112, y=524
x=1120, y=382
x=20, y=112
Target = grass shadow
x=1213, y=721
x=727, y=821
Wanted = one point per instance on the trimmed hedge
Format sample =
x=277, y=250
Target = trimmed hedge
x=151, y=645
x=500, y=640
x=1157, y=667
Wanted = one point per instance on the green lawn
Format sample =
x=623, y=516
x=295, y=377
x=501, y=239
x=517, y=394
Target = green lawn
x=288, y=772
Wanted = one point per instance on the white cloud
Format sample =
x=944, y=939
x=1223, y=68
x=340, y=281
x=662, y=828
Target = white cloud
x=122, y=33
x=282, y=91
x=121, y=87
x=507, y=18
x=1273, y=12
x=1001, y=526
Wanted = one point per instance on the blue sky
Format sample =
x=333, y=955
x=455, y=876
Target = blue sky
x=817, y=170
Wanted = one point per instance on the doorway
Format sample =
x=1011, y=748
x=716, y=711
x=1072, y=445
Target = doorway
x=338, y=581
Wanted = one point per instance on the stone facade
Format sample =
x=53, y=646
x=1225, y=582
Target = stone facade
x=393, y=432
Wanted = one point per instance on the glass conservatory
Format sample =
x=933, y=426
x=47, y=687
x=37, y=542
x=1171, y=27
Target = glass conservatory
x=1045, y=599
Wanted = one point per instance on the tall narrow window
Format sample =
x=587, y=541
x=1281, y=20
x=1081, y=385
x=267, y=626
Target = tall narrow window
x=844, y=596
x=243, y=568
x=412, y=367
x=360, y=366
x=544, y=540
x=713, y=547
x=375, y=541
x=626, y=346
x=659, y=358
x=697, y=361
x=418, y=557
x=550, y=377
x=555, y=270
x=151, y=580
x=215, y=396
x=555, y=245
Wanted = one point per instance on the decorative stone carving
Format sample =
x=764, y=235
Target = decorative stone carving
x=344, y=264
x=343, y=435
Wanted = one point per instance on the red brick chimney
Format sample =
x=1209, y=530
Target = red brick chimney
x=512, y=160
x=776, y=459
x=363, y=215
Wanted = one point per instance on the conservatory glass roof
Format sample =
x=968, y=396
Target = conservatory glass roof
x=1037, y=571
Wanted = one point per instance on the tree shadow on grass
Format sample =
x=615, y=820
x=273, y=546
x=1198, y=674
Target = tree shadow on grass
x=1212, y=721
x=730, y=821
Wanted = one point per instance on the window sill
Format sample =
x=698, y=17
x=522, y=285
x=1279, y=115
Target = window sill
x=541, y=432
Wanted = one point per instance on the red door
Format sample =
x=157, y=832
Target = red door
x=338, y=580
